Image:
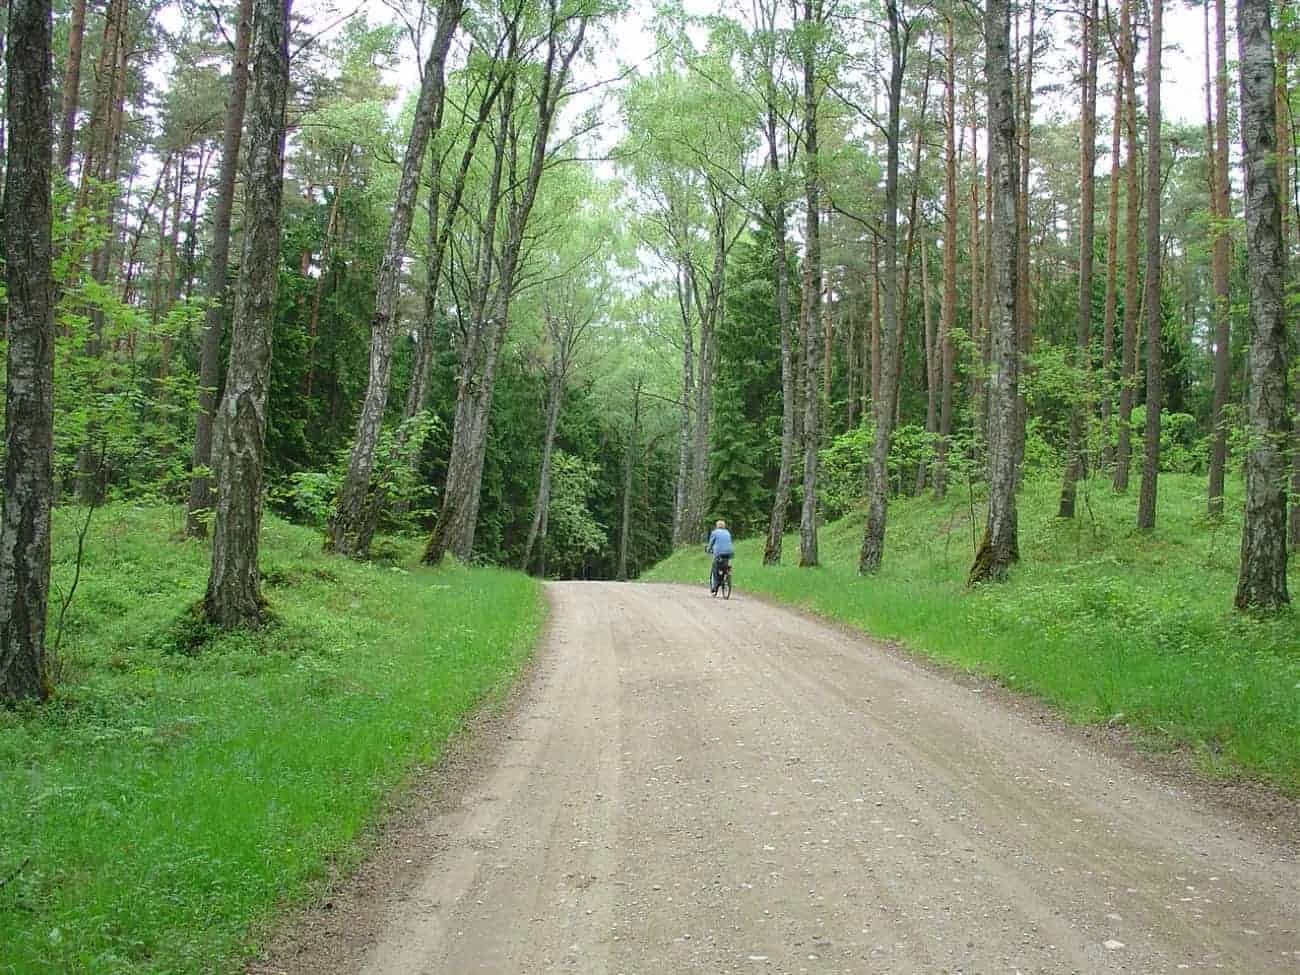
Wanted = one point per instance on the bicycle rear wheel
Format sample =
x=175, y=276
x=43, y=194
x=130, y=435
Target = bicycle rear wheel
x=726, y=585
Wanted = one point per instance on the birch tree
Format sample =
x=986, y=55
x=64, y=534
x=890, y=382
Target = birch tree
x=29, y=383
x=234, y=595
x=1262, y=583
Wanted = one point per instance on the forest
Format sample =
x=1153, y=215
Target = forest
x=554, y=284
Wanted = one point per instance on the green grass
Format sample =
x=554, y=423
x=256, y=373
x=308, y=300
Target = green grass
x=165, y=804
x=1101, y=621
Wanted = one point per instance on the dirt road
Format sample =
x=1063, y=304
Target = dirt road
x=692, y=786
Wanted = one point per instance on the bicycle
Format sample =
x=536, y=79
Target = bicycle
x=724, y=583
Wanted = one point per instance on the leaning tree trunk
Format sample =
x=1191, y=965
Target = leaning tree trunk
x=455, y=530
x=873, y=539
x=1221, y=213
x=1082, y=410
x=200, y=502
x=349, y=533
x=1261, y=584
x=554, y=392
x=1000, y=547
x=1146, y=519
x=234, y=595
x=29, y=387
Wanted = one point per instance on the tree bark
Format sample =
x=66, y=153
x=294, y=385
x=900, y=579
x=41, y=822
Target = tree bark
x=1146, y=519
x=102, y=168
x=1132, y=212
x=458, y=517
x=812, y=14
x=1024, y=298
x=781, y=278
x=349, y=532
x=1112, y=275
x=948, y=312
x=1000, y=547
x=873, y=538
x=442, y=221
x=29, y=387
x=932, y=366
x=629, y=458
x=1220, y=214
x=1076, y=462
x=1262, y=583
x=234, y=597
x=200, y=500
x=71, y=85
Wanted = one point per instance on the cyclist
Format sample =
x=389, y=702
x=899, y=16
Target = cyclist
x=721, y=549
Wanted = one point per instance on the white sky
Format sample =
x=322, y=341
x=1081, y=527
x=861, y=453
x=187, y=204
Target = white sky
x=1182, y=89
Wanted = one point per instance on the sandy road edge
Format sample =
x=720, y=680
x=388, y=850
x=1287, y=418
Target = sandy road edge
x=1267, y=812
x=326, y=922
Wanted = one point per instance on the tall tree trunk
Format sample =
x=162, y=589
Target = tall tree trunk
x=1146, y=520
x=873, y=538
x=812, y=12
x=1287, y=184
x=948, y=311
x=326, y=256
x=781, y=278
x=1076, y=463
x=932, y=367
x=554, y=394
x=629, y=459
x=234, y=595
x=1112, y=275
x=349, y=532
x=1262, y=583
x=200, y=500
x=684, y=439
x=71, y=85
x=1132, y=212
x=442, y=221
x=1220, y=214
x=875, y=320
x=1000, y=547
x=29, y=387
x=458, y=517
x=1024, y=298
x=103, y=169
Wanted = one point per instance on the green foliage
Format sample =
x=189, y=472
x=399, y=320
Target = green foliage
x=843, y=465
x=309, y=496
x=842, y=471
x=574, y=535
x=1183, y=450
x=166, y=803
x=1108, y=624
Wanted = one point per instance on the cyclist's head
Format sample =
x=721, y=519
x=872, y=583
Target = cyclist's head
x=721, y=523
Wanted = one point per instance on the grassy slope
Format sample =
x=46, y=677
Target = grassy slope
x=168, y=802
x=1097, y=619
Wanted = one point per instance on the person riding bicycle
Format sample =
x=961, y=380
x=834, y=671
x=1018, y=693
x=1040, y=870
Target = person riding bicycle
x=721, y=549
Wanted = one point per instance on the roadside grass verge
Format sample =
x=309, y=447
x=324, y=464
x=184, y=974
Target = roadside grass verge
x=1107, y=624
x=167, y=802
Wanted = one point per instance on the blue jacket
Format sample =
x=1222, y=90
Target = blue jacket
x=720, y=542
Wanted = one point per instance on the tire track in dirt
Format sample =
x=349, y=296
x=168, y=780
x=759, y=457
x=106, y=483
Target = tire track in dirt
x=698, y=786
